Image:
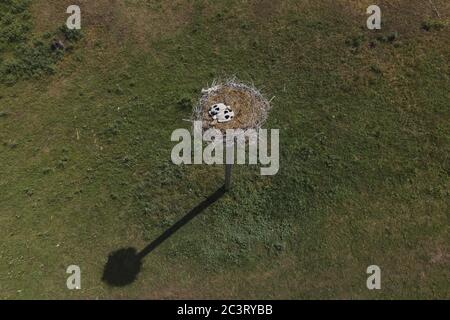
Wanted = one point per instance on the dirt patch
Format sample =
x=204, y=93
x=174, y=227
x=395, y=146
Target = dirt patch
x=266, y=9
x=440, y=255
x=142, y=23
x=117, y=21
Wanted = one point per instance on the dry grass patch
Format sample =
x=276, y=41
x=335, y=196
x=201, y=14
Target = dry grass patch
x=118, y=22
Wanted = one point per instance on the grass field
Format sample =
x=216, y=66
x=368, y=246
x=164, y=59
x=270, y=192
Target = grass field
x=85, y=168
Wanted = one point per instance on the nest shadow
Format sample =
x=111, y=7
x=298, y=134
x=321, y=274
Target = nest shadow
x=124, y=265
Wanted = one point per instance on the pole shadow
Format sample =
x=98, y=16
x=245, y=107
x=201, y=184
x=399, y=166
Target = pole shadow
x=124, y=265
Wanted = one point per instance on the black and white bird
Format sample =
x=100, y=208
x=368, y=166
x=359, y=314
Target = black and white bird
x=221, y=112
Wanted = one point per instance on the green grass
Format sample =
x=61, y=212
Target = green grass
x=364, y=169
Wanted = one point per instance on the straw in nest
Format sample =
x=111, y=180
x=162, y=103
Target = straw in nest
x=250, y=107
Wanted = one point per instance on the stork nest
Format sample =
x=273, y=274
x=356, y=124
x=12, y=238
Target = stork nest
x=250, y=107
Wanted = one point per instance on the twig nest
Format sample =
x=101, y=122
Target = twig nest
x=245, y=106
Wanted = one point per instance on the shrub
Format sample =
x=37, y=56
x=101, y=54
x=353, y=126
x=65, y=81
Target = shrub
x=433, y=24
x=185, y=103
x=72, y=35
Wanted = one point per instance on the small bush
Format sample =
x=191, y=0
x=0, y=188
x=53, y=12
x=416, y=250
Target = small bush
x=391, y=37
x=14, y=32
x=185, y=103
x=356, y=41
x=30, y=60
x=72, y=35
x=18, y=6
x=433, y=24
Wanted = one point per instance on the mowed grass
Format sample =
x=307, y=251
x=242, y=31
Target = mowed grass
x=364, y=169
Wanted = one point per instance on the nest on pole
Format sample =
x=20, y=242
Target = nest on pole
x=249, y=105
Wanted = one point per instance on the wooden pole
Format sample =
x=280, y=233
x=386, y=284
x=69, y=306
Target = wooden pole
x=228, y=169
x=229, y=159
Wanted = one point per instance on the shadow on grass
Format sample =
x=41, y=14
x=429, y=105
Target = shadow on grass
x=124, y=265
